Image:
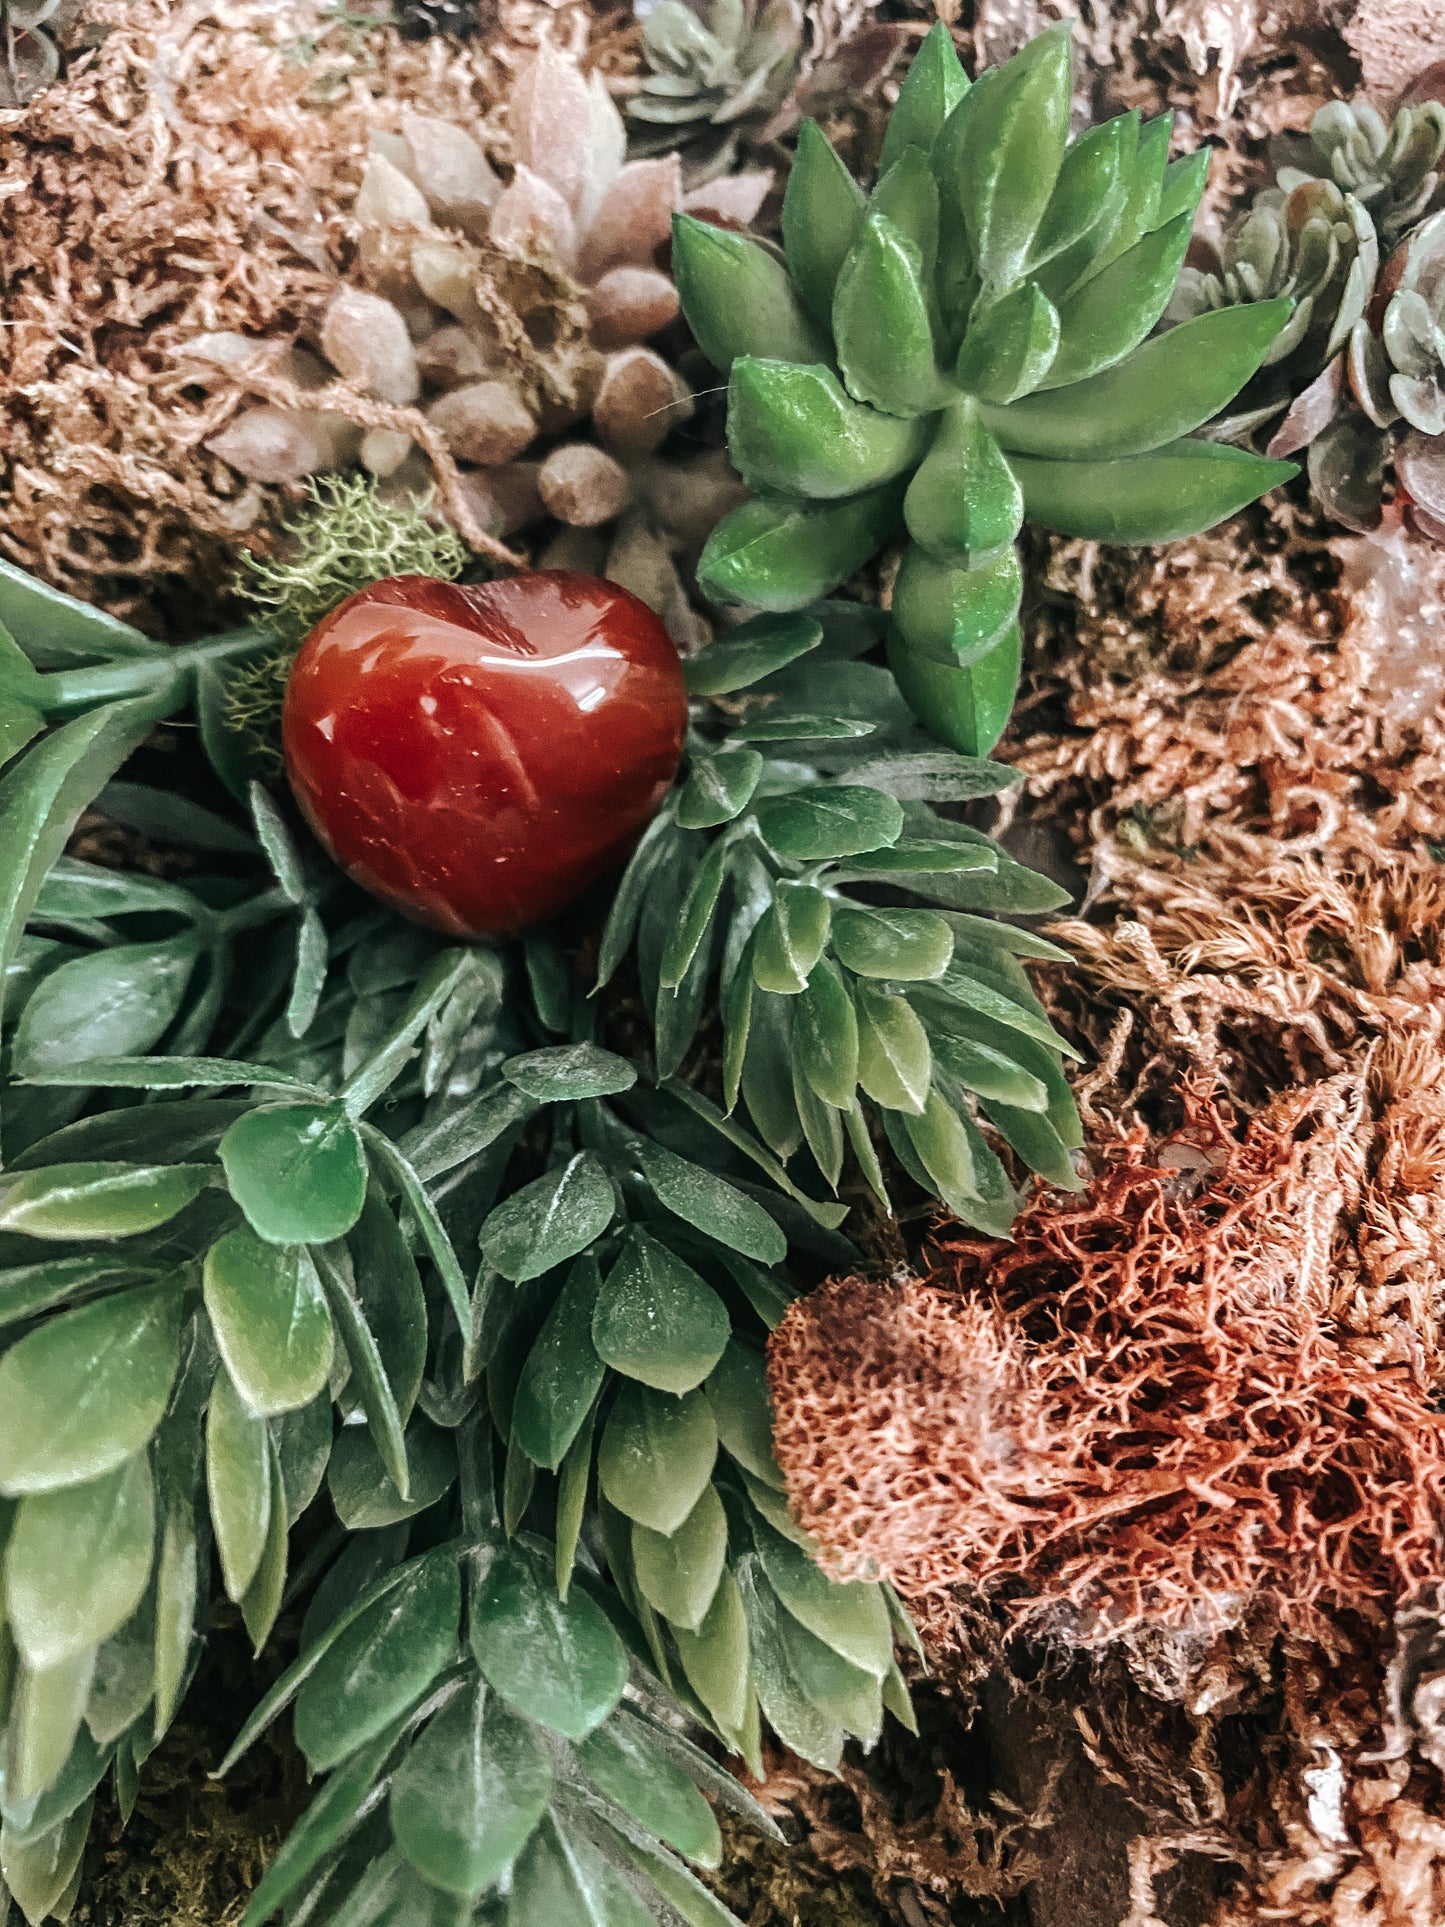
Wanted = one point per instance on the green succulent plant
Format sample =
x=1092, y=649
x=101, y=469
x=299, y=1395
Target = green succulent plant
x=962, y=350
x=1390, y=167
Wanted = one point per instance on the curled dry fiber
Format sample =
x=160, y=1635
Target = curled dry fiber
x=1139, y=1412
x=194, y=173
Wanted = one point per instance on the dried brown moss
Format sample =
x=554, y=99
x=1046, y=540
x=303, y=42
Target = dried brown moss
x=1138, y=1413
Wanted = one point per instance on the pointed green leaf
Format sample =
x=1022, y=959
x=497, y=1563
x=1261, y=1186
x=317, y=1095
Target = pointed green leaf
x=850, y=1617
x=881, y=323
x=796, y=431
x=907, y=195
x=933, y=86
x=715, y=1660
x=1167, y=389
x=839, y=820
x=737, y=297
x=626, y=1762
x=1001, y=150
x=238, y=1479
x=262, y=1603
x=1088, y=196
x=964, y=503
x=742, y=656
x=698, y=909
x=909, y=946
x=558, y=1662
x=952, y=614
x=1009, y=348
x=562, y=1375
x=1177, y=491
x=116, y=1002
x=719, y=788
x=712, y=1205
x=822, y=212
x=737, y=1392
x=679, y=1572
x=966, y=708
x=825, y=1037
x=1102, y=321
x=103, y=1200
x=781, y=556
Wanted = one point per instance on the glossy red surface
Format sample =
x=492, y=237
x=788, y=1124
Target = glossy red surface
x=477, y=756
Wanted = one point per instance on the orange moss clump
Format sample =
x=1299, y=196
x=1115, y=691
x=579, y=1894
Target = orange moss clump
x=1141, y=1412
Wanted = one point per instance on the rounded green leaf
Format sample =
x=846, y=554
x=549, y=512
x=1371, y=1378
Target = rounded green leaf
x=755, y=649
x=383, y=1661
x=715, y=1207
x=1177, y=491
x=99, y=1200
x=298, y=1172
x=909, y=946
x=678, y=1572
x=895, y=1063
x=569, y=1072
x=656, y=1320
x=469, y=1794
x=633, y=1770
x=850, y=1617
x=361, y=1488
x=781, y=555
x=796, y=431
x=558, y=1661
x=656, y=1455
x=737, y=1393
x=550, y=1220
x=83, y=1392
x=562, y=1877
x=269, y=1316
x=719, y=788
x=78, y=1561
x=945, y=1152
x=840, y=820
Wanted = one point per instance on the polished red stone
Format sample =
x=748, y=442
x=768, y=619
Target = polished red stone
x=477, y=756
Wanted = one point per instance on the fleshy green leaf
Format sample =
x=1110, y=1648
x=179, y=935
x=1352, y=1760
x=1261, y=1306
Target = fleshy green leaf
x=737, y=297
x=82, y=1393
x=1176, y=491
x=656, y=1320
x=270, y=1320
x=1010, y=347
x=1088, y=196
x=656, y=1455
x=1165, y=390
x=558, y=1662
x=881, y=323
x=952, y=614
x=895, y=1062
x=795, y=431
x=297, y=1171
x=822, y=212
x=78, y=1561
x=791, y=937
x=780, y=556
x=933, y=86
x=964, y=504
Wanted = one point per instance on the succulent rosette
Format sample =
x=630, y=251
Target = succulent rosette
x=965, y=349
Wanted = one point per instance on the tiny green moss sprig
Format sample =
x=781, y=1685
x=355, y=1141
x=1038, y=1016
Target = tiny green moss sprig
x=962, y=350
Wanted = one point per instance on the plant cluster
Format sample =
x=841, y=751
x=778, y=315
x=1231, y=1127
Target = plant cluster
x=1353, y=232
x=964, y=349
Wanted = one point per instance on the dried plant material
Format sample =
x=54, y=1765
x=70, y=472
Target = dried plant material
x=1135, y=1414
x=1394, y=42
